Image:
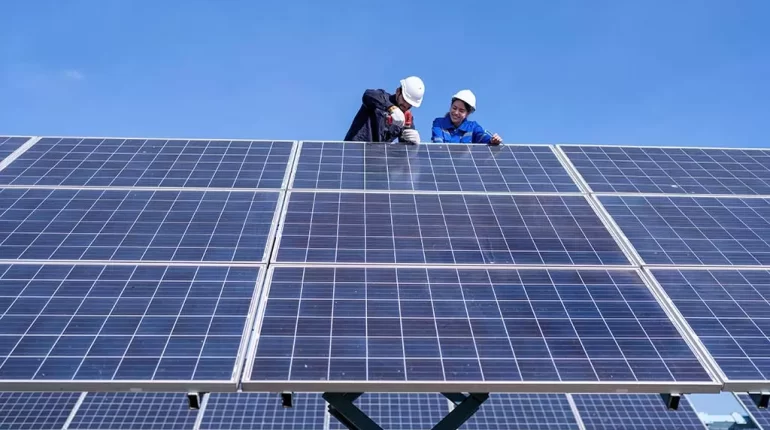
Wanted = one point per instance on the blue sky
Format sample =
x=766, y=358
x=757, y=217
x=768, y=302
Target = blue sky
x=649, y=73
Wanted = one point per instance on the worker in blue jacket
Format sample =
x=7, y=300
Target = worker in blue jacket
x=383, y=117
x=455, y=127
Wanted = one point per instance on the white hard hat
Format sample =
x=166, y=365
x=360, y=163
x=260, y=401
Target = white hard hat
x=413, y=89
x=466, y=96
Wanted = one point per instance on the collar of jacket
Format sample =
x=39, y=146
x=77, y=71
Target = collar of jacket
x=447, y=124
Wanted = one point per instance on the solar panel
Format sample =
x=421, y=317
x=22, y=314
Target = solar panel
x=134, y=411
x=760, y=416
x=35, y=411
x=371, y=326
x=672, y=170
x=64, y=324
x=333, y=227
x=63, y=224
x=400, y=411
x=729, y=310
x=524, y=412
x=435, y=167
x=694, y=230
x=151, y=163
x=248, y=411
x=8, y=144
x=634, y=412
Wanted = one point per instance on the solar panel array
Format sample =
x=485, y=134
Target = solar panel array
x=394, y=411
x=9, y=144
x=139, y=264
x=134, y=263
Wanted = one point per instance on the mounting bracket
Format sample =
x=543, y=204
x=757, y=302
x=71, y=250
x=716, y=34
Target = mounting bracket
x=671, y=400
x=760, y=399
x=342, y=408
x=194, y=400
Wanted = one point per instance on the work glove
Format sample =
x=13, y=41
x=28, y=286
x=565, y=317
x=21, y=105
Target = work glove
x=411, y=135
x=396, y=117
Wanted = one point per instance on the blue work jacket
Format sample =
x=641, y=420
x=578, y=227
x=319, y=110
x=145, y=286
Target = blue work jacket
x=444, y=131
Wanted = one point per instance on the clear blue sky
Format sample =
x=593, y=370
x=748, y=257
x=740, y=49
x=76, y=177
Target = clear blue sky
x=687, y=72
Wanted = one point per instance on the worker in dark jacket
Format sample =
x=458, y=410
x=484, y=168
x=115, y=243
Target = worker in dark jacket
x=384, y=117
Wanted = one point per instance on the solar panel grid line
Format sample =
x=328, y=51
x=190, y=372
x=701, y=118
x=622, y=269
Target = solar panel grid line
x=715, y=231
x=569, y=239
x=617, y=233
x=246, y=411
x=115, y=208
x=634, y=412
x=35, y=411
x=154, y=382
x=666, y=170
x=674, y=314
x=575, y=411
x=400, y=411
x=133, y=411
x=730, y=318
x=435, y=168
x=253, y=382
x=760, y=417
x=154, y=163
x=524, y=412
x=6, y=160
x=572, y=171
x=74, y=411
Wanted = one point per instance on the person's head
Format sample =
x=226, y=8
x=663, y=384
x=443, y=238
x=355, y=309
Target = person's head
x=463, y=104
x=410, y=93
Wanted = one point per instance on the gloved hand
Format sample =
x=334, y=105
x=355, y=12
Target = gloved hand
x=396, y=116
x=411, y=135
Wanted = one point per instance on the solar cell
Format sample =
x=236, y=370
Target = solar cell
x=8, y=144
x=634, y=412
x=151, y=163
x=400, y=411
x=134, y=411
x=524, y=412
x=435, y=167
x=35, y=411
x=63, y=224
x=694, y=230
x=729, y=310
x=444, y=229
x=372, y=326
x=672, y=170
x=64, y=324
x=760, y=416
x=248, y=411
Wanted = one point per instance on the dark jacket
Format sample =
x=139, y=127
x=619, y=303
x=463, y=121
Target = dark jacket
x=370, y=123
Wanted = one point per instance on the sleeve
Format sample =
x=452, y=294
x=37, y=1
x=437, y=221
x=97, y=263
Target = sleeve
x=480, y=135
x=376, y=99
x=408, y=125
x=437, y=133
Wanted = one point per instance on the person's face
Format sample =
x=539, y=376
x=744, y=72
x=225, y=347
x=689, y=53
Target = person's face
x=457, y=112
x=402, y=103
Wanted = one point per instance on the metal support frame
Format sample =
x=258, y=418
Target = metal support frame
x=342, y=408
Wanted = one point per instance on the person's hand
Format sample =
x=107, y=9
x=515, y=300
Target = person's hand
x=411, y=135
x=496, y=139
x=396, y=116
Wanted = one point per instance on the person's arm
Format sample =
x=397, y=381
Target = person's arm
x=376, y=99
x=480, y=135
x=437, y=133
